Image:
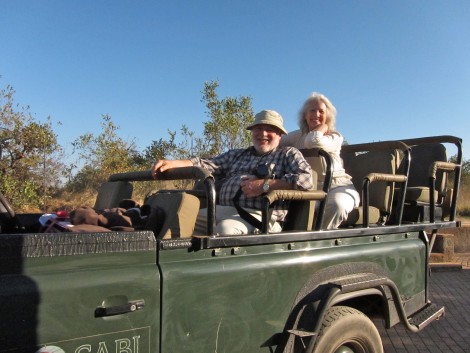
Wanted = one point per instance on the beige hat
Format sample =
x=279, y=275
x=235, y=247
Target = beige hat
x=268, y=117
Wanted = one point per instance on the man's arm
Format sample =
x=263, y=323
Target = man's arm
x=164, y=164
x=252, y=186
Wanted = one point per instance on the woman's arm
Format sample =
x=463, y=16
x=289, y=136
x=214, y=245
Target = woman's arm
x=330, y=142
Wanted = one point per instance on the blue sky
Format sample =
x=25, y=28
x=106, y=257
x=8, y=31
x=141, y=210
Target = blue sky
x=394, y=69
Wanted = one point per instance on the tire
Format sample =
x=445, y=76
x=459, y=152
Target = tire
x=345, y=329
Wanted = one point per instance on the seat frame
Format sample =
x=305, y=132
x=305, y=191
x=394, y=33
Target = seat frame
x=296, y=195
x=441, y=166
x=373, y=177
x=193, y=173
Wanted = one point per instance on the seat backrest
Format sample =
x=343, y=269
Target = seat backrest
x=359, y=165
x=173, y=214
x=318, y=165
x=111, y=193
x=301, y=213
x=422, y=159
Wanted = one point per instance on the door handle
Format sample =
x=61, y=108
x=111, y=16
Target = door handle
x=129, y=307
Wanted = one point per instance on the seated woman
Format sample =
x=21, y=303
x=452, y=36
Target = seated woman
x=317, y=130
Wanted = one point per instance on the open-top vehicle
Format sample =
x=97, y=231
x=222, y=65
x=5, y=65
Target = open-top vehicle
x=160, y=287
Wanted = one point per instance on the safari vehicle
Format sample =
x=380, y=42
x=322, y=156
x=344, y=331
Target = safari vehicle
x=306, y=289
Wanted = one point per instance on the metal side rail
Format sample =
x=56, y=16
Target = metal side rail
x=414, y=323
x=364, y=281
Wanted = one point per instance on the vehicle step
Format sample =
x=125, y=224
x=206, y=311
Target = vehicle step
x=424, y=317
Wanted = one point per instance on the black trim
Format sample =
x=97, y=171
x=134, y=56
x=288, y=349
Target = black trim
x=69, y=244
x=206, y=242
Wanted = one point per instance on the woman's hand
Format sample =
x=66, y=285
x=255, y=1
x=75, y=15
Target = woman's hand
x=323, y=128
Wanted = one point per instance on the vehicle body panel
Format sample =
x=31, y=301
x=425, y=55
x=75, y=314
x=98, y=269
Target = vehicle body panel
x=134, y=292
x=241, y=298
x=53, y=300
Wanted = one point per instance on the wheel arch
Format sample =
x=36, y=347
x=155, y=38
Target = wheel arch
x=320, y=293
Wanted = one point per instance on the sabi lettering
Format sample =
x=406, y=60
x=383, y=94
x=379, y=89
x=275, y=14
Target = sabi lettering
x=122, y=345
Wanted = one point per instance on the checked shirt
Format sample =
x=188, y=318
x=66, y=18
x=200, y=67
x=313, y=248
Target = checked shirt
x=287, y=164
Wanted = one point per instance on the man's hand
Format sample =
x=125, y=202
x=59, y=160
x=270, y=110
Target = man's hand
x=164, y=164
x=251, y=185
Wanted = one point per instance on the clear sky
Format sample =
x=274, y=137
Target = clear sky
x=394, y=69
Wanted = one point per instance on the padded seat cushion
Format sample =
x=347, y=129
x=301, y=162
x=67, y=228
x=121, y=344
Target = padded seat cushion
x=318, y=166
x=356, y=216
x=419, y=194
x=111, y=193
x=179, y=212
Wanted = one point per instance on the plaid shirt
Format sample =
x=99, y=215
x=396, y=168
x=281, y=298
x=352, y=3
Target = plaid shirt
x=287, y=162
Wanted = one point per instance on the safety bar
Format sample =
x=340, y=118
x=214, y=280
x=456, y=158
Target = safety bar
x=194, y=173
x=444, y=166
x=289, y=195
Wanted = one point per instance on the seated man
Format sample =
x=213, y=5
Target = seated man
x=242, y=187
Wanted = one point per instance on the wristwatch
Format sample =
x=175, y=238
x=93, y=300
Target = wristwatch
x=266, y=185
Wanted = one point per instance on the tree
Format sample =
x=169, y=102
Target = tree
x=229, y=118
x=225, y=130
x=160, y=149
x=466, y=167
x=169, y=149
x=464, y=171
x=30, y=156
x=102, y=155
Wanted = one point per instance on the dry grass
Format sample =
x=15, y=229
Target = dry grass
x=68, y=201
x=463, y=205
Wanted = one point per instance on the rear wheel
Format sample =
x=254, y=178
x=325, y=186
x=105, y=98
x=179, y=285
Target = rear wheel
x=347, y=330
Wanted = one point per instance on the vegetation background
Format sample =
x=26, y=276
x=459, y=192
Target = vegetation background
x=36, y=176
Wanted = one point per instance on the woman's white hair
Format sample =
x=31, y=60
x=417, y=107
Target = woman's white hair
x=330, y=112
